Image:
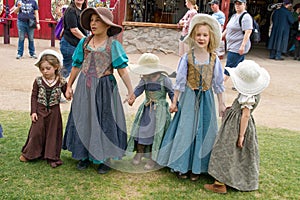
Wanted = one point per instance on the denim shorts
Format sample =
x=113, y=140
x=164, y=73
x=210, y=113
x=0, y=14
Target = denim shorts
x=233, y=59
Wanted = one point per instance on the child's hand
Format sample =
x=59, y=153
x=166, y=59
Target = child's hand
x=131, y=100
x=34, y=117
x=69, y=93
x=173, y=108
x=222, y=109
x=240, y=141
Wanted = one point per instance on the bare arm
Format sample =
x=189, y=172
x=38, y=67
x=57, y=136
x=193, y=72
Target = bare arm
x=37, y=17
x=222, y=106
x=243, y=126
x=77, y=33
x=173, y=106
x=126, y=80
x=245, y=40
x=74, y=73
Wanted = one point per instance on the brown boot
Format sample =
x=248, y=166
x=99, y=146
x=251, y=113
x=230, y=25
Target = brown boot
x=139, y=154
x=150, y=164
x=221, y=189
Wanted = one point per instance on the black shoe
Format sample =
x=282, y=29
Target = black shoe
x=279, y=58
x=83, y=164
x=182, y=176
x=103, y=169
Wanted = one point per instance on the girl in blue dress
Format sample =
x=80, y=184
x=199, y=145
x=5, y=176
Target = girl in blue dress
x=188, y=142
x=96, y=128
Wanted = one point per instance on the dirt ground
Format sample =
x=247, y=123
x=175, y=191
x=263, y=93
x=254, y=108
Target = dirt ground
x=279, y=107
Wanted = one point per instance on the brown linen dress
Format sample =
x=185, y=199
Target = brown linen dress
x=45, y=136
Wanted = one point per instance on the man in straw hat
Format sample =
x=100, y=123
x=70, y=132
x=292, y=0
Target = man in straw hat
x=96, y=127
x=153, y=116
x=234, y=159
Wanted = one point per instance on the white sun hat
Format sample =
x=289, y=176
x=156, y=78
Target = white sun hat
x=209, y=20
x=249, y=78
x=49, y=52
x=148, y=63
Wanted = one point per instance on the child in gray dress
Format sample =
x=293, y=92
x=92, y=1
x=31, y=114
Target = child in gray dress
x=234, y=159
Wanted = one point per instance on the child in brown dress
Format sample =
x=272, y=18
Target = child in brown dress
x=45, y=135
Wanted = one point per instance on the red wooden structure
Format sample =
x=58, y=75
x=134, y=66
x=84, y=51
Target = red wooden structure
x=47, y=22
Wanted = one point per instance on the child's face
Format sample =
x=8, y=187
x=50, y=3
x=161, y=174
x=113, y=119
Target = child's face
x=47, y=70
x=202, y=36
x=98, y=27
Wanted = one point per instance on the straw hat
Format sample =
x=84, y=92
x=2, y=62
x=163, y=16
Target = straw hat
x=249, y=78
x=208, y=19
x=148, y=63
x=105, y=14
x=49, y=52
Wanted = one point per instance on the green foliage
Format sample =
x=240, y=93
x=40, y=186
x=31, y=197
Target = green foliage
x=279, y=172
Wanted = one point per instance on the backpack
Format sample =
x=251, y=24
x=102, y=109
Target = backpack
x=255, y=35
x=59, y=28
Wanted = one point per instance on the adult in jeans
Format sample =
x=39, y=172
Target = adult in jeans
x=26, y=10
x=73, y=32
x=237, y=37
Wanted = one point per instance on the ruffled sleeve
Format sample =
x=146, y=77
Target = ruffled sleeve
x=119, y=57
x=181, y=74
x=78, y=54
x=246, y=101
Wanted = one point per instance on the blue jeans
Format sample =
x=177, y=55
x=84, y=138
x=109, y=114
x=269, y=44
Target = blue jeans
x=67, y=51
x=23, y=28
x=233, y=59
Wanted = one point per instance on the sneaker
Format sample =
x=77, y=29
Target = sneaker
x=33, y=56
x=221, y=189
x=83, y=164
x=18, y=57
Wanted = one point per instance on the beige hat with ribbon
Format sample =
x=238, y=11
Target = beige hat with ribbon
x=148, y=63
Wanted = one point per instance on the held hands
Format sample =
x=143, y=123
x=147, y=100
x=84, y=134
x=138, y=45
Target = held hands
x=222, y=109
x=38, y=26
x=173, y=107
x=69, y=93
x=131, y=100
x=34, y=117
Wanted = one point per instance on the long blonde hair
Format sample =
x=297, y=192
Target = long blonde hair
x=211, y=47
x=193, y=2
